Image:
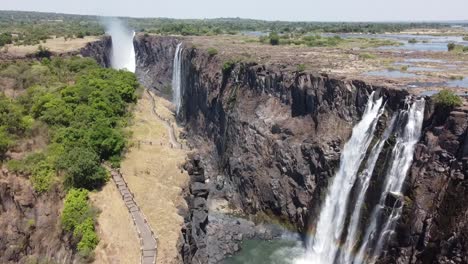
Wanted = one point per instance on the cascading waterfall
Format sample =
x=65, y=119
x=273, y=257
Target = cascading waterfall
x=123, y=51
x=176, y=78
x=329, y=245
x=402, y=157
x=364, y=180
x=323, y=246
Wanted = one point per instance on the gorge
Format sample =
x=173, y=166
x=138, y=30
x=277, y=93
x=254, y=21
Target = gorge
x=272, y=154
x=343, y=170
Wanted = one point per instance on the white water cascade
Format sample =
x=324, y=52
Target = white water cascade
x=123, y=52
x=349, y=188
x=322, y=247
x=401, y=159
x=176, y=78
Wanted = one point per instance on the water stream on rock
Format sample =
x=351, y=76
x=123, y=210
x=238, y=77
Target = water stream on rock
x=176, y=78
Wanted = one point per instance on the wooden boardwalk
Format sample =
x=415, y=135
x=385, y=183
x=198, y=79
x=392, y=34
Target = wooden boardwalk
x=148, y=241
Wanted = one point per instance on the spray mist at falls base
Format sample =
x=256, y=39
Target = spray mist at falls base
x=123, y=51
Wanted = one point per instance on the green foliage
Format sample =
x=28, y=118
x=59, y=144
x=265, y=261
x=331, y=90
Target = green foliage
x=5, y=142
x=228, y=66
x=447, y=99
x=212, y=51
x=465, y=38
x=5, y=38
x=75, y=209
x=413, y=41
x=367, y=56
x=451, y=46
x=43, y=175
x=274, y=38
x=87, y=234
x=465, y=49
x=82, y=168
x=78, y=218
x=300, y=67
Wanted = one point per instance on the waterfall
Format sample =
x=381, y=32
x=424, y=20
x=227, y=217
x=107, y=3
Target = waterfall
x=323, y=246
x=123, y=51
x=401, y=159
x=329, y=245
x=364, y=180
x=176, y=78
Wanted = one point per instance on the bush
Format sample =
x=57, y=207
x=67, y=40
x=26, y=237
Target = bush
x=43, y=52
x=413, y=41
x=212, y=52
x=274, y=38
x=465, y=49
x=300, y=67
x=447, y=99
x=82, y=168
x=465, y=38
x=75, y=209
x=78, y=218
x=451, y=46
x=228, y=66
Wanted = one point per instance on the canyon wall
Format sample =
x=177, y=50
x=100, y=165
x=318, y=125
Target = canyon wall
x=100, y=50
x=274, y=140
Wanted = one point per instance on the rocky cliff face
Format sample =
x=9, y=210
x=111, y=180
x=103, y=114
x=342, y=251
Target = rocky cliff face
x=154, y=64
x=30, y=224
x=271, y=140
x=99, y=50
x=434, y=228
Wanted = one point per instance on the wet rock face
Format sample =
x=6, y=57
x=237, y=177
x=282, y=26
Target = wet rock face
x=30, y=224
x=434, y=227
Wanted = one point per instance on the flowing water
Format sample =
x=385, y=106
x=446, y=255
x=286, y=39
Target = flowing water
x=378, y=232
x=123, y=51
x=337, y=238
x=176, y=78
x=322, y=247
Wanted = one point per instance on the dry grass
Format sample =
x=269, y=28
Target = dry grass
x=118, y=237
x=59, y=45
x=153, y=173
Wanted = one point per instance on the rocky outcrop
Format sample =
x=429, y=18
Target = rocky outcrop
x=434, y=227
x=100, y=50
x=30, y=224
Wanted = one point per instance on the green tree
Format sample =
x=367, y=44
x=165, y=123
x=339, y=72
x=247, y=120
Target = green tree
x=274, y=38
x=75, y=209
x=82, y=168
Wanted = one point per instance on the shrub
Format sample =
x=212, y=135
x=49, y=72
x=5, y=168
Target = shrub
x=5, y=142
x=451, y=46
x=80, y=35
x=82, y=168
x=228, y=66
x=300, y=67
x=43, y=52
x=75, y=209
x=274, y=38
x=212, y=52
x=447, y=99
x=465, y=48
x=78, y=218
x=413, y=41
x=366, y=56
x=465, y=38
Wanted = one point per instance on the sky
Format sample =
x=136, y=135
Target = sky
x=288, y=10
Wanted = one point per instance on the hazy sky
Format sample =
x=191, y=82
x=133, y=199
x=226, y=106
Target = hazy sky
x=306, y=10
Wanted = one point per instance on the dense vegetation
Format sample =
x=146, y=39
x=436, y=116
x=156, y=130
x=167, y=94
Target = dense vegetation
x=30, y=28
x=25, y=28
x=447, y=99
x=80, y=109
